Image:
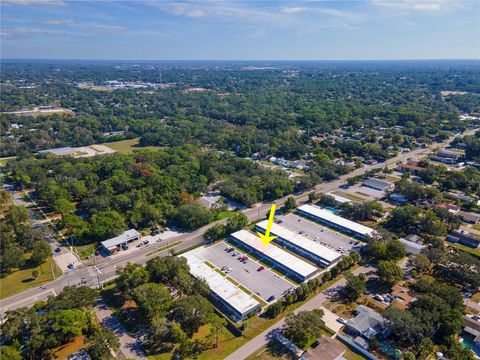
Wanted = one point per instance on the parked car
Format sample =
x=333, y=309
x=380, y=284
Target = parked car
x=271, y=298
x=342, y=320
x=70, y=266
x=261, y=268
x=58, y=249
x=379, y=297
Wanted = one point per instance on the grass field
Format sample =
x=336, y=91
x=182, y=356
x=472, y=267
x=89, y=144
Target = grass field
x=85, y=251
x=476, y=226
x=22, y=280
x=475, y=252
x=128, y=146
x=225, y=214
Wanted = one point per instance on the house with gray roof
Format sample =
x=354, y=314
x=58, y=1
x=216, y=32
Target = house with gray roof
x=367, y=323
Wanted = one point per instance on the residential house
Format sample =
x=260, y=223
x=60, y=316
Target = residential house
x=398, y=199
x=469, y=217
x=471, y=325
x=411, y=166
x=367, y=323
x=463, y=238
x=449, y=207
x=425, y=203
x=412, y=247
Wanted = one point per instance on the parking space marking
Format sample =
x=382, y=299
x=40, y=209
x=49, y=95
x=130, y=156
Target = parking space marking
x=319, y=233
x=265, y=283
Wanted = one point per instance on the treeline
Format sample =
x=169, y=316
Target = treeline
x=34, y=333
x=102, y=196
x=172, y=305
x=241, y=110
x=20, y=245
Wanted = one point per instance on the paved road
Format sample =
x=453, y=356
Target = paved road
x=93, y=275
x=129, y=346
x=316, y=302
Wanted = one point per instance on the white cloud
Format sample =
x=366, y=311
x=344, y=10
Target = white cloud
x=106, y=27
x=31, y=2
x=426, y=6
x=31, y=31
x=58, y=22
x=292, y=9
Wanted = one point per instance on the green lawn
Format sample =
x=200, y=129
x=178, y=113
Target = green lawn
x=475, y=252
x=3, y=161
x=128, y=146
x=85, y=251
x=476, y=226
x=22, y=280
x=225, y=214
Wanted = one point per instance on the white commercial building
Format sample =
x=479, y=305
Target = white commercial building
x=233, y=299
x=114, y=244
x=301, y=245
x=291, y=264
x=328, y=218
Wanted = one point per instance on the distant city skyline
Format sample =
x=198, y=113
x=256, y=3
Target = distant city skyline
x=240, y=30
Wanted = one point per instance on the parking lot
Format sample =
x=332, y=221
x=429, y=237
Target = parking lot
x=316, y=232
x=362, y=192
x=263, y=283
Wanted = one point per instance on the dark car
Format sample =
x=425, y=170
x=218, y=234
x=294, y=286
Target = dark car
x=261, y=268
x=271, y=298
x=57, y=250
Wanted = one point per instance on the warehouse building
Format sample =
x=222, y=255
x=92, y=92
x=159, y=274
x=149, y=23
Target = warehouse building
x=378, y=184
x=301, y=245
x=328, y=218
x=289, y=263
x=235, y=302
x=113, y=245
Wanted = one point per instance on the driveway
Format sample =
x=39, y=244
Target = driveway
x=129, y=346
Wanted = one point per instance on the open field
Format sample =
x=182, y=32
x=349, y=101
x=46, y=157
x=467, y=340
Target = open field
x=128, y=146
x=22, y=280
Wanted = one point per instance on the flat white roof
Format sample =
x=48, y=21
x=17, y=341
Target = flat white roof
x=224, y=289
x=337, y=220
x=339, y=198
x=302, y=242
x=276, y=254
x=120, y=239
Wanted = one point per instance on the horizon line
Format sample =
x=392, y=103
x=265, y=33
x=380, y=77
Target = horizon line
x=250, y=60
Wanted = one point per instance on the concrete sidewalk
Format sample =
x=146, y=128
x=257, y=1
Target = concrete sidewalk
x=129, y=346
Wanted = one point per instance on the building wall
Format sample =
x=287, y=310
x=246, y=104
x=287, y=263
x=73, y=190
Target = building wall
x=332, y=225
x=281, y=266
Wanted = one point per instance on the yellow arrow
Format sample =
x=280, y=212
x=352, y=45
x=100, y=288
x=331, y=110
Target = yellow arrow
x=267, y=238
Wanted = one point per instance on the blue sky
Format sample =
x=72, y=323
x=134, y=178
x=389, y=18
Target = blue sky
x=223, y=30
